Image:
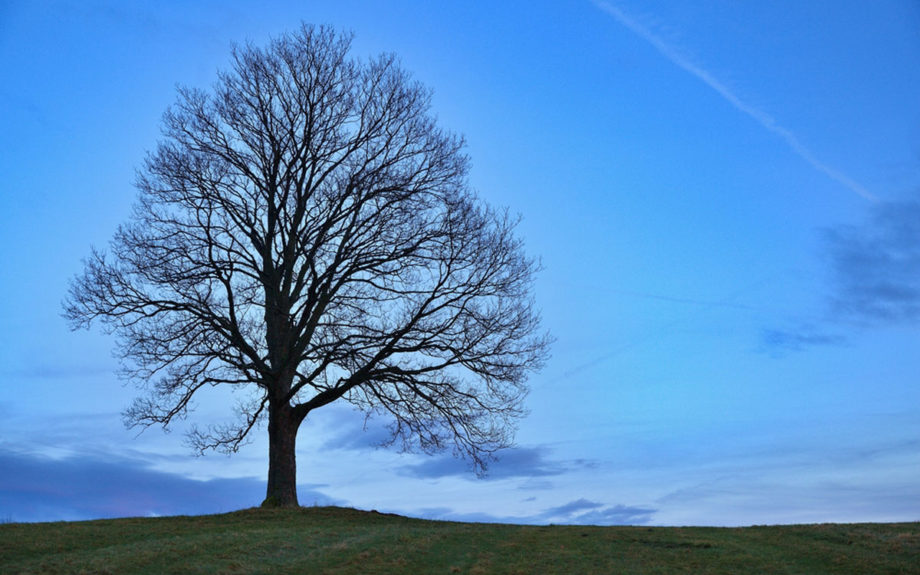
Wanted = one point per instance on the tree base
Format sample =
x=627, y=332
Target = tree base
x=273, y=502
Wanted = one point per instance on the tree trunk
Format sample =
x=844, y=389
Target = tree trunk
x=282, y=463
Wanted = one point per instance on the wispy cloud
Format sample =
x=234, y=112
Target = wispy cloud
x=764, y=119
x=778, y=342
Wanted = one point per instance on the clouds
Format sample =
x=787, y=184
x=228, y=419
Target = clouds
x=348, y=433
x=36, y=488
x=873, y=273
x=540, y=479
x=516, y=462
x=577, y=512
x=876, y=266
x=777, y=342
x=584, y=512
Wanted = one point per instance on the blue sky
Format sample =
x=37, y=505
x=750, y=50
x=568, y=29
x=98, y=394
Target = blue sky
x=725, y=197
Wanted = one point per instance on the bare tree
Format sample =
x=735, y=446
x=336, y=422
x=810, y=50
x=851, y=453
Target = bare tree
x=305, y=230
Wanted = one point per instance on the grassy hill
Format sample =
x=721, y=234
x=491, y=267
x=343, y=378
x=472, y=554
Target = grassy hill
x=335, y=540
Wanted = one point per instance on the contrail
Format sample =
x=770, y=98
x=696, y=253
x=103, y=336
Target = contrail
x=756, y=114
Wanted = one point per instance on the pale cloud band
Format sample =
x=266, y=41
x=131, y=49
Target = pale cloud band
x=758, y=115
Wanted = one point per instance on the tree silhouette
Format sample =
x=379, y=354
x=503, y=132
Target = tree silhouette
x=307, y=232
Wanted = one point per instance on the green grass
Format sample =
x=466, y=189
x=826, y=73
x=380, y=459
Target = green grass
x=335, y=540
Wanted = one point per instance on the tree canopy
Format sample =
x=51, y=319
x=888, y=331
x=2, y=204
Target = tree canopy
x=306, y=231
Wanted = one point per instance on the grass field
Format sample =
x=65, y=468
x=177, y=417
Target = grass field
x=336, y=540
